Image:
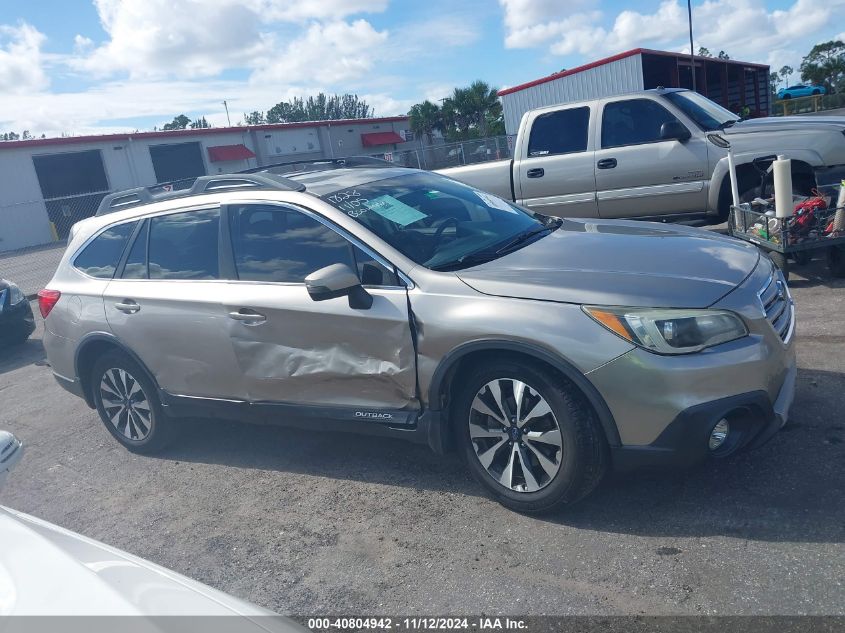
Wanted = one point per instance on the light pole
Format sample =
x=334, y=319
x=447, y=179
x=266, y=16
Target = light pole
x=691, y=49
x=229, y=121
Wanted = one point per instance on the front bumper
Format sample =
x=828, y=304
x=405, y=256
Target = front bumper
x=753, y=417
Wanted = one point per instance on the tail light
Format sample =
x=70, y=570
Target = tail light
x=47, y=299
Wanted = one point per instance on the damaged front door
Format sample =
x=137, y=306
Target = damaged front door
x=292, y=349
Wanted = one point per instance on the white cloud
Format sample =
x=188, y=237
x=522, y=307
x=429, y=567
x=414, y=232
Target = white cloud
x=21, y=59
x=303, y=10
x=158, y=38
x=746, y=29
x=326, y=53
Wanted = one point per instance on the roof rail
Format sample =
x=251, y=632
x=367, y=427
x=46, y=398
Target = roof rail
x=129, y=198
x=319, y=164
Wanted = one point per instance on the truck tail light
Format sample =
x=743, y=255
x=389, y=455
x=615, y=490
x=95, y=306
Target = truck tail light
x=47, y=299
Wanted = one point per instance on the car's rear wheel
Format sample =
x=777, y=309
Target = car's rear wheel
x=128, y=404
x=787, y=96
x=816, y=92
x=528, y=436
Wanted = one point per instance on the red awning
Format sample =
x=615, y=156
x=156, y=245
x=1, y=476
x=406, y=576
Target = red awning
x=222, y=153
x=381, y=138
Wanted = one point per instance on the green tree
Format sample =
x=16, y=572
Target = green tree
x=321, y=107
x=255, y=118
x=825, y=64
x=774, y=79
x=785, y=72
x=723, y=55
x=179, y=123
x=472, y=112
x=704, y=52
x=200, y=124
x=424, y=119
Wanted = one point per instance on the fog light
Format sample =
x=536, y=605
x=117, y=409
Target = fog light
x=719, y=434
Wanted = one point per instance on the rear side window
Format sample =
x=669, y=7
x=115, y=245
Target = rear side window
x=280, y=245
x=562, y=132
x=184, y=245
x=100, y=258
x=633, y=122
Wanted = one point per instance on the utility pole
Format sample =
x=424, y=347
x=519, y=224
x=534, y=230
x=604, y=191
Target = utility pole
x=226, y=105
x=691, y=49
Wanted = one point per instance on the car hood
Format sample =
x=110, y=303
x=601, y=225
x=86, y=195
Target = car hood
x=47, y=570
x=629, y=263
x=784, y=123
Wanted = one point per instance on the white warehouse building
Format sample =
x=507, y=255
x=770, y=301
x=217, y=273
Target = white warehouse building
x=48, y=184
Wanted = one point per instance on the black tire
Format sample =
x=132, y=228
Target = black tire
x=582, y=459
x=780, y=260
x=140, y=429
x=836, y=261
x=816, y=92
x=787, y=96
x=801, y=258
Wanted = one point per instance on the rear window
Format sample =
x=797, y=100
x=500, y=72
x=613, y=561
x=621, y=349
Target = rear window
x=562, y=132
x=100, y=258
x=184, y=245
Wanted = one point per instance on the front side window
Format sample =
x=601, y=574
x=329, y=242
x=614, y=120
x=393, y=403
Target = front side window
x=438, y=222
x=273, y=244
x=184, y=245
x=561, y=132
x=633, y=122
x=100, y=258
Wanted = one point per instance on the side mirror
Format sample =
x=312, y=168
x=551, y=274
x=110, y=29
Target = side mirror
x=338, y=280
x=674, y=131
x=11, y=451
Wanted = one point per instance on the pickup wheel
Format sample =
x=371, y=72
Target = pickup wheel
x=836, y=261
x=530, y=438
x=780, y=260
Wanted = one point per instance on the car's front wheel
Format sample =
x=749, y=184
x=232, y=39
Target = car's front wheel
x=128, y=404
x=529, y=436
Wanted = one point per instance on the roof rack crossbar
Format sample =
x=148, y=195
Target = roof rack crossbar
x=120, y=200
x=331, y=163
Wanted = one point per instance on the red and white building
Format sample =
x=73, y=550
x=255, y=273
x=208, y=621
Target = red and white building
x=47, y=184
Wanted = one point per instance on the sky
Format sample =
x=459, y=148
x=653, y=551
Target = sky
x=83, y=66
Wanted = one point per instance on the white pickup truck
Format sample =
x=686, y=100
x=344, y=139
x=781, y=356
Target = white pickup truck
x=646, y=155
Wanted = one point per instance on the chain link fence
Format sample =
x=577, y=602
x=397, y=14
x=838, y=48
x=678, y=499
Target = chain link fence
x=455, y=154
x=47, y=222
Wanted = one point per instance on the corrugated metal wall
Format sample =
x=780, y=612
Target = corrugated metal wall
x=617, y=77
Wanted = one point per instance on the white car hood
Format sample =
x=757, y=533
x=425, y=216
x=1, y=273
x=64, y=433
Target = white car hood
x=47, y=570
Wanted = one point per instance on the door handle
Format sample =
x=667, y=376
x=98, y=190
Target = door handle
x=537, y=172
x=248, y=317
x=606, y=163
x=127, y=306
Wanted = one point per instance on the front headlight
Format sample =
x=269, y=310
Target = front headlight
x=15, y=294
x=670, y=331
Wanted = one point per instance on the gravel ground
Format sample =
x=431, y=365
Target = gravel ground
x=309, y=524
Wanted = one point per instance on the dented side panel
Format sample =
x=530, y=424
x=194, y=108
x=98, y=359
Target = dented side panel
x=323, y=352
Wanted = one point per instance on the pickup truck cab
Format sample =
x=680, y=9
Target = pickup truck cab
x=646, y=155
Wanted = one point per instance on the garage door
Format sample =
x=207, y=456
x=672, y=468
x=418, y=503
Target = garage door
x=177, y=161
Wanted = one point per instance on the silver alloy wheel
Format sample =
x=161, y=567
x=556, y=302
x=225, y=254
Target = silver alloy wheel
x=515, y=435
x=125, y=404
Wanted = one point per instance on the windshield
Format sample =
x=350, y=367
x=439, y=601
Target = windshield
x=440, y=223
x=708, y=115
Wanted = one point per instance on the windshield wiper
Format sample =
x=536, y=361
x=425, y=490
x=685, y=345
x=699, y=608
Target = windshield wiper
x=470, y=259
x=524, y=237
x=489, y=254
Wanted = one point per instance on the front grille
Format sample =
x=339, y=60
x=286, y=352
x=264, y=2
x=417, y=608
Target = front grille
x=777, y=304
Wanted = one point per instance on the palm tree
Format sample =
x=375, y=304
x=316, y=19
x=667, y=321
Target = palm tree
x=483, y=104
x=425, y=119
